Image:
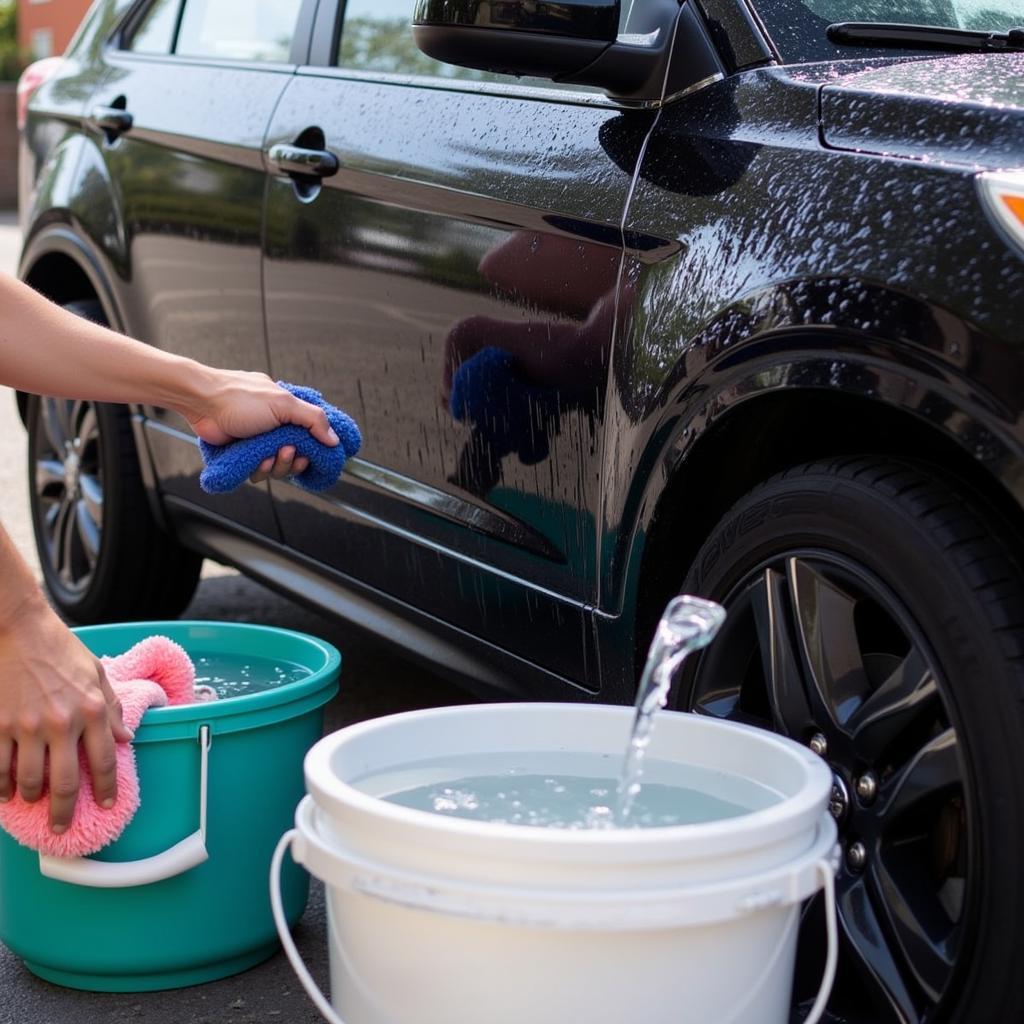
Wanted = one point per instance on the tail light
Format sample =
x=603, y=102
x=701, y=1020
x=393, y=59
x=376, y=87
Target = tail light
x=31, y=78
x=1003, y=193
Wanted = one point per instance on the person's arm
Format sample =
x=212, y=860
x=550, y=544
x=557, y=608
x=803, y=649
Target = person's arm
x=53, y=693
x=45, y=350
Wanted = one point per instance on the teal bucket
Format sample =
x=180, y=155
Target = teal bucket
x=237, y=760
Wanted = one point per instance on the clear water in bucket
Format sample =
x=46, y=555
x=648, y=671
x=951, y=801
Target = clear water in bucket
x=235, y=675
x=590, y=791
x=566, y=790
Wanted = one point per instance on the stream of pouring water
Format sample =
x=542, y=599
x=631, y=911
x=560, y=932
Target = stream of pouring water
x=688, y=624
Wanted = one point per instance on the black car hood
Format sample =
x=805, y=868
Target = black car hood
x=963, y=109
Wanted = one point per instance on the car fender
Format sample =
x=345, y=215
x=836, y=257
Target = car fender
x=61, y=233
x=857, y=338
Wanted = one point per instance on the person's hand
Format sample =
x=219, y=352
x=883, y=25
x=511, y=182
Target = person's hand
x=242, y=404
x=284, y=464
x=53, y=694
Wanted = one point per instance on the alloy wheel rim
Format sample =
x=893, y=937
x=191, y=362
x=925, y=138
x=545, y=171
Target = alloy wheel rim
x=818, y=649
x=67, y=481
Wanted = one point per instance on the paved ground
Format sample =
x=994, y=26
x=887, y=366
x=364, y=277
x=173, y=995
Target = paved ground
x=374, y=682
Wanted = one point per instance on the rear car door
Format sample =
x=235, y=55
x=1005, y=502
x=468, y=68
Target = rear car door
x=198, y=80
x=447, y=273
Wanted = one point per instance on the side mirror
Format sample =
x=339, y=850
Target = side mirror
x=573, y=41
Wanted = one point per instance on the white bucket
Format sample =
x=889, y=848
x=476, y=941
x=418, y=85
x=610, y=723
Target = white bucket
x=436, y=920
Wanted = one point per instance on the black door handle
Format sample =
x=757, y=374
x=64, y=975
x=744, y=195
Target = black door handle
x=112, y=121
x=304, y=163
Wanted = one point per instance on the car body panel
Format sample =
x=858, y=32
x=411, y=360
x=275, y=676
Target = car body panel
x=462, y=221
x=966, y=109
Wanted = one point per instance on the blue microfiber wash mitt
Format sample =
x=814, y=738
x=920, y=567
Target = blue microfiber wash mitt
x=230, y=465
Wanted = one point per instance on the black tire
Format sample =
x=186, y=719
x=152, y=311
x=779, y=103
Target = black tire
x=878, y=606
x=103, y=556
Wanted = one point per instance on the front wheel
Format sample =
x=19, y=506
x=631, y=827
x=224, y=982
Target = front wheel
x=876, y=613
x=103, y=556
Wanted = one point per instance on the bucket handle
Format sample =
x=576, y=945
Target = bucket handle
x=176, y=860
x=826, y=867
x=828, y=873
x=291, y=951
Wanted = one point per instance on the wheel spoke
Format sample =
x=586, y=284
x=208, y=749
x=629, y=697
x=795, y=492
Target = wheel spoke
x=49, y=478
x=64, y=533
x=825, y=622
x=932, y=771
x=923, y=932
x=88, y=427
x=92, y=495
x=770, y=603
x=74, y=411
x=68, y=412
x=887, y=711
x=726, y=704
x=88, y=533
x=867, y=945
x=53, y=424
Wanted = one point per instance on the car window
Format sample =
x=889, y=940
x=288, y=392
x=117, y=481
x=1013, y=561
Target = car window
x=238, y=29
x=376, y=35
x=154, y=32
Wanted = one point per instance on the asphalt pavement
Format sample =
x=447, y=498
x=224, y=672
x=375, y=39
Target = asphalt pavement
x=374, y=682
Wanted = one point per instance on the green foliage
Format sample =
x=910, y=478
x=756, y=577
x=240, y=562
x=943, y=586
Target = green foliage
x=13, y=60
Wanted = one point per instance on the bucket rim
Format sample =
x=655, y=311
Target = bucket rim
x=789, y=815
x=679, y=902
x=320, y=678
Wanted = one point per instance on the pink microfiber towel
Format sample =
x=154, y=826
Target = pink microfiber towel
x=154, y=673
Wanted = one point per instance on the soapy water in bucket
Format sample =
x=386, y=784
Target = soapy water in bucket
x=585, y=796
x=566, y=790
x=236, y=675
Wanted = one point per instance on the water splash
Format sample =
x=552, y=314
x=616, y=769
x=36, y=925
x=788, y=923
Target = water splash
x=688, y=624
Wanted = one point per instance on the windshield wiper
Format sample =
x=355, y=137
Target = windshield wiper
x=924, y=37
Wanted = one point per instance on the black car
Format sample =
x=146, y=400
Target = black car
x=721, y=297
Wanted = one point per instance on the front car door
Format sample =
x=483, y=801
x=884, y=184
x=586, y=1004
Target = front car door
x=453, y=286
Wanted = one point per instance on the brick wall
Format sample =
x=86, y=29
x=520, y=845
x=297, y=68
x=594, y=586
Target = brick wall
x=45, y=27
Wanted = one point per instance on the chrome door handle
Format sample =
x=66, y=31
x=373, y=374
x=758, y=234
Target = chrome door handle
x=305, y=163
x=112, y=121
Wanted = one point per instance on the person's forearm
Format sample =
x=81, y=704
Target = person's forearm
x=46, y=350
x=19, y=591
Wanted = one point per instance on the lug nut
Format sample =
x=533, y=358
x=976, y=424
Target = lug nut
x=819, y=744
x=867, y=788
x=856, y=856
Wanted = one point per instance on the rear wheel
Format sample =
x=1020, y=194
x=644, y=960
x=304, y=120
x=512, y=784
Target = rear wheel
x=103, y=556
x=876, y=613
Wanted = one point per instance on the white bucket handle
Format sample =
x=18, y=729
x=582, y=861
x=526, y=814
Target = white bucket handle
x=291, y=951
x=824, y=866
x=184, y=855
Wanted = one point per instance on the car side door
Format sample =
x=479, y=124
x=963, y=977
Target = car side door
x=178, y=177
x=448, y=274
